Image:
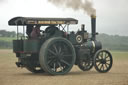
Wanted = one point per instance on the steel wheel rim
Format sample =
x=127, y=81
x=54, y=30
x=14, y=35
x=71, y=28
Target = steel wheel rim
x=103, y=61
x=85, y=65
x=59, y=65
x=35, y=69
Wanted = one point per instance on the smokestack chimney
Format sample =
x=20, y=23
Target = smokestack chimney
x=83, y=27
x=93, y=26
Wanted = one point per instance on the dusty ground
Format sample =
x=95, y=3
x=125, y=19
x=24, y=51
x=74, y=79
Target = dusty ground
x=11, y=75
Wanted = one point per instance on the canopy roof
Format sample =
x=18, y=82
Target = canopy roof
x=41, y=21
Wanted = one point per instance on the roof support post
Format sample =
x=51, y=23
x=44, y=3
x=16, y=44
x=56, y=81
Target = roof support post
x=67, y=28
x=17, y=32
x=23, y=32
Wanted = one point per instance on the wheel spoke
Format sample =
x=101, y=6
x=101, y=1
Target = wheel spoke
x=54, y=67
x=101, y=55
x=66, y=55
x=55, y=48
x=50, y=61
x=106, y=56
x=64, y=49
x=107, y=60
x=65, y=62
x=59, y=49
x=98, y=60
x=51, y=52
x=60, y=66
x=106, y=66
x=101, y=66
x=51, y=57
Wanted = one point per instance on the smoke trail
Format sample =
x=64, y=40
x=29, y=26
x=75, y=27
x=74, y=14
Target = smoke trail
x=85, y=5
x=1, y=1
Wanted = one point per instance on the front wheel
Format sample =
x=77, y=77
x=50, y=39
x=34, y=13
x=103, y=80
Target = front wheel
x=85, y=64
x=103, y=61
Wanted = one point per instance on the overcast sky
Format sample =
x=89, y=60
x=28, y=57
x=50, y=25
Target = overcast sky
x=112, y=15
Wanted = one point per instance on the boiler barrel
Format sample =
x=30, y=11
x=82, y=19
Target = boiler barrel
x=93, y=45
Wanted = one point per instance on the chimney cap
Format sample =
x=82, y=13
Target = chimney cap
x=93, y=16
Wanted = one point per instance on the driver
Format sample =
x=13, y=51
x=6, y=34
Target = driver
x=51, y=29
x=29, y=30
x=35, y=32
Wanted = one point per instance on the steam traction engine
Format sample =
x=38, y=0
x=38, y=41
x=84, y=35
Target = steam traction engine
x=56, y=50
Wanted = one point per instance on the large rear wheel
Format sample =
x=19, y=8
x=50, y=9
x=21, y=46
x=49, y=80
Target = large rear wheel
x=57, y=56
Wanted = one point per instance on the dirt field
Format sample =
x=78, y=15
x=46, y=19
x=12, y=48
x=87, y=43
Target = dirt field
x=11, y=75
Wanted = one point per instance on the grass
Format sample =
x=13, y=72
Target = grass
x=115, y=54
x=7, y=39
x=120, y=54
